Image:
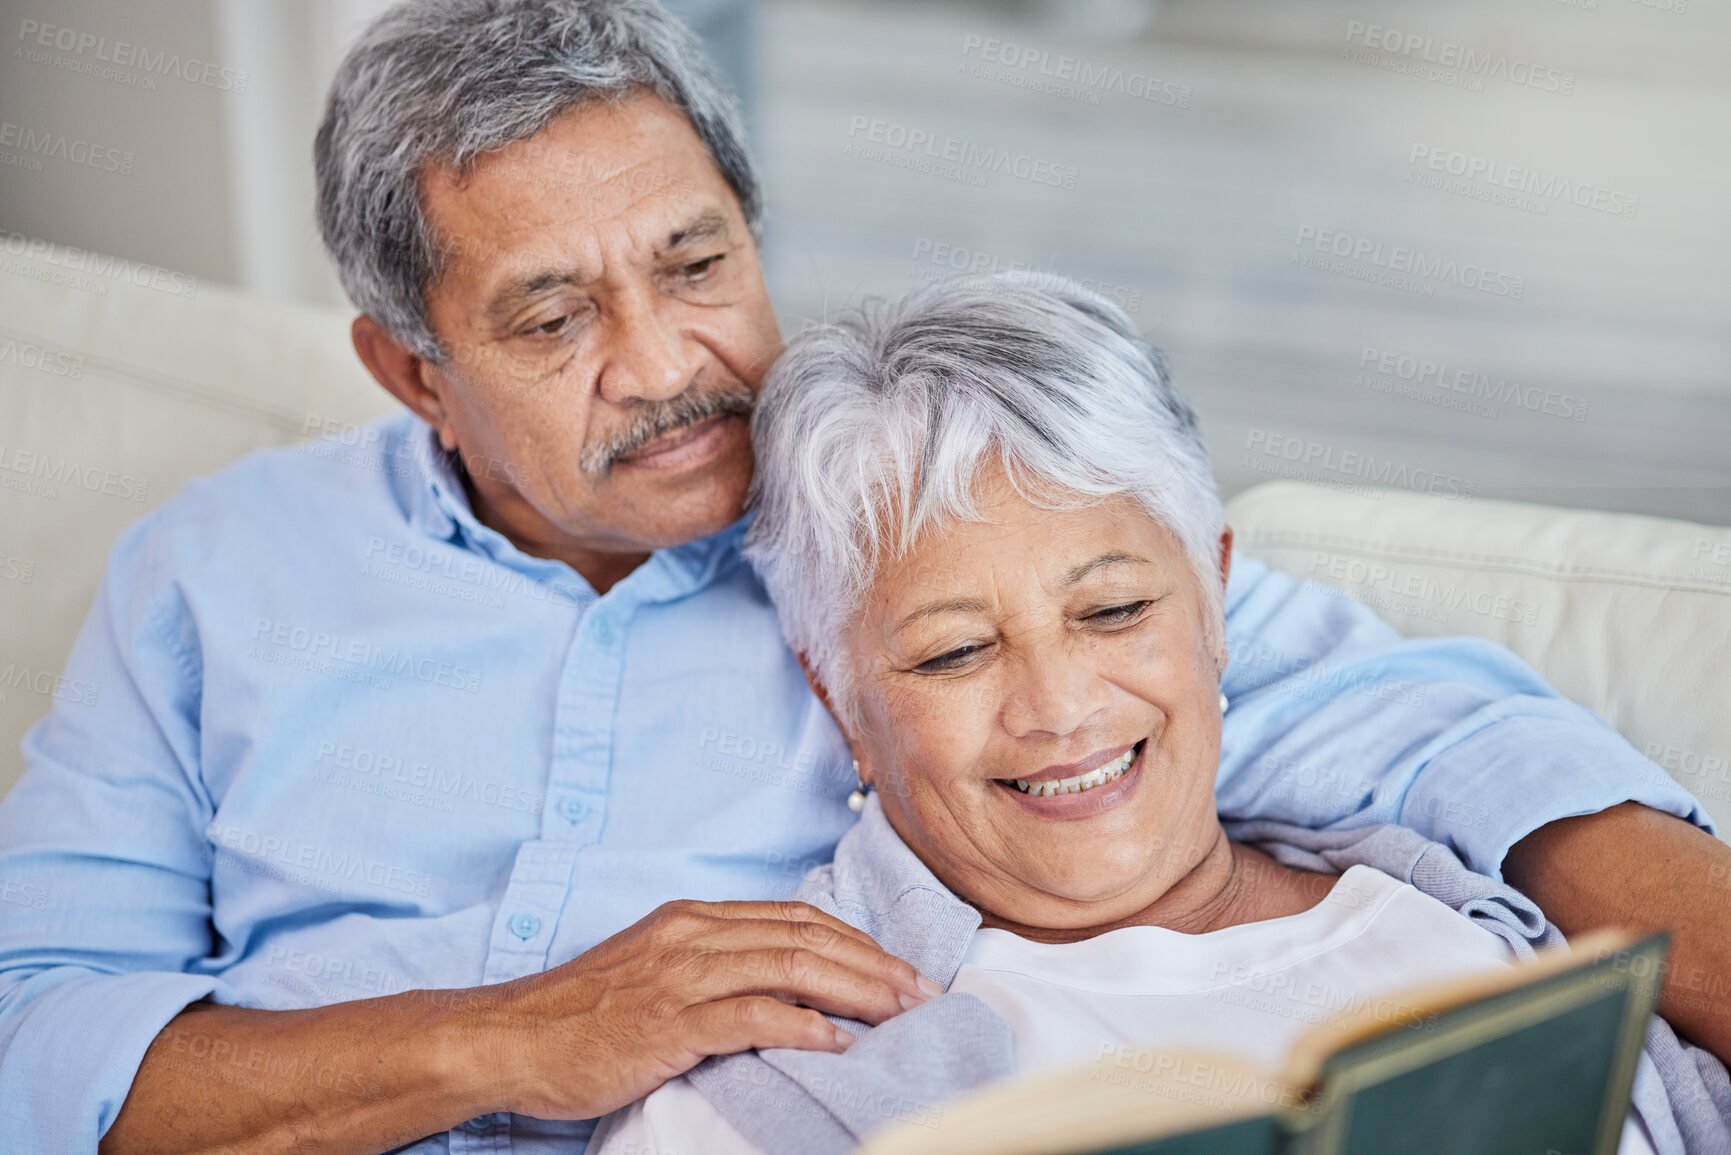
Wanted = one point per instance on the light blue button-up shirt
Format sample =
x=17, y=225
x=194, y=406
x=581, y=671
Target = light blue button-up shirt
x=347, y=741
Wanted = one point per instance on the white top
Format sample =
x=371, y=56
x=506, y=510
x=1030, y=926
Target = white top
x=1247, y=991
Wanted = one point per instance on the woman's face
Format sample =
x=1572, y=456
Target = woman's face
x=1038, y=708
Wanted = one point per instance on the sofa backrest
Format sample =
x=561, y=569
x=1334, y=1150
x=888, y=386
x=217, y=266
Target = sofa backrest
x=119, y=383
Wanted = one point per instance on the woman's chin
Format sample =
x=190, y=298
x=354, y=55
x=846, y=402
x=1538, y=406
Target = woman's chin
x=1066, y=905
x=1063, y=885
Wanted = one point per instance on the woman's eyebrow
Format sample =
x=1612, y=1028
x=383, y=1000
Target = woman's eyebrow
x=954, y=606
x=975, y=606
x=1101, y=562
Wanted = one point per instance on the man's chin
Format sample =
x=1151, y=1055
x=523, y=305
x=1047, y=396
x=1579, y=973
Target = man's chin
x=671, y=507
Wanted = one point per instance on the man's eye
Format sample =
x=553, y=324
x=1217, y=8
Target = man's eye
x=554, y=327
x=953, y=660
x=697, y=270
x=1117, y=615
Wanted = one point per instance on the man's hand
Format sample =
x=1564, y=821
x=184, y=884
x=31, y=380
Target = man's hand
x=692, y=979
x=1635, y=868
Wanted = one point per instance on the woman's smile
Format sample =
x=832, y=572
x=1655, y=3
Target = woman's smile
x=1078, y=795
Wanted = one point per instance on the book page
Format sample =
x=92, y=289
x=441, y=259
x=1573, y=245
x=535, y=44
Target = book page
x=1127, y=1094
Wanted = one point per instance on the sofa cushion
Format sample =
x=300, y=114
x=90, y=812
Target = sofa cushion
x=119, y=383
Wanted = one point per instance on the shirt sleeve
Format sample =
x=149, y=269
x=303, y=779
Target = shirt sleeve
x=1336, y=722
x=104, y=868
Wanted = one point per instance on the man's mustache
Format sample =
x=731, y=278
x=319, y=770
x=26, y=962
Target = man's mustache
x=658, y=418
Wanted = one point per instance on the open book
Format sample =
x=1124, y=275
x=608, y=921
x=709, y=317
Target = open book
x=1537, y=1058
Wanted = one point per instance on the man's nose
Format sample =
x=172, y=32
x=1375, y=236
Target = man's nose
x=1053, y=693
x=648, y=357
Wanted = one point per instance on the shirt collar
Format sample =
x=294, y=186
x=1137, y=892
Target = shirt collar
x=880, y=886
x=437, y=504
x=427, y=482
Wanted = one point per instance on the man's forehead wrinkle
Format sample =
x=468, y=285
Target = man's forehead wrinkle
x=589, y=159
x=521, y=226
x=645, y=228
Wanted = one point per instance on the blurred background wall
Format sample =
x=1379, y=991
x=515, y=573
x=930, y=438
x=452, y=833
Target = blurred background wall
x=1481, y=246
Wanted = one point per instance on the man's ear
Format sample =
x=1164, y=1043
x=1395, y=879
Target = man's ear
x=403, y=373
x=822, y=692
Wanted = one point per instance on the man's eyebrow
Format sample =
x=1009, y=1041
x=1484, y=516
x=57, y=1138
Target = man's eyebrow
x=707, y=227
x=932, y=610
x=527, y=289
x=1114, y=558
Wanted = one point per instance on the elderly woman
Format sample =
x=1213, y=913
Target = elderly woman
x=990, y=528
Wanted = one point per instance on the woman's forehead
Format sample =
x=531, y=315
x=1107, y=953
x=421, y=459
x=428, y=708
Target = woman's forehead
x=1018, y=539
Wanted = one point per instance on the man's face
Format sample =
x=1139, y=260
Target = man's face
x=607, y=325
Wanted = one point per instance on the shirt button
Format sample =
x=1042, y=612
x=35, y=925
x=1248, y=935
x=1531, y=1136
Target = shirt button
x=603, y=630
x=525, y=926
x=573, y=808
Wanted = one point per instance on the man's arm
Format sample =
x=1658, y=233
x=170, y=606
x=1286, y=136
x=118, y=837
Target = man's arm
x=1633, y=867
x=104, y=866
x=693, y=979
x=106, y=917
x=1337, y=722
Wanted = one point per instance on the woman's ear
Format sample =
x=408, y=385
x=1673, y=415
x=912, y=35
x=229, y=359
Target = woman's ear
x=822, y=692
x=1222, y=654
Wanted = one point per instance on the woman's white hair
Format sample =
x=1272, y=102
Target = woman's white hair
x=874, y=427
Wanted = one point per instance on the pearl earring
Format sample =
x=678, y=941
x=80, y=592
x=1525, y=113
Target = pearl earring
x=856, y=800
x=1223, y=702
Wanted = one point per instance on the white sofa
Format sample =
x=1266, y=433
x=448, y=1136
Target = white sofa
x=119, y=383
x=116, y=386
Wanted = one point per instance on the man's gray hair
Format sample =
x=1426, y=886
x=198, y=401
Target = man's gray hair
x=874, y=427
x=443, y=81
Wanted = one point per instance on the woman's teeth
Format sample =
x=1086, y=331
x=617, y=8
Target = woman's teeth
x=1098, y=776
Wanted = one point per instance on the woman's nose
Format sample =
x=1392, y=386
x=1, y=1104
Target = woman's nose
x=1053, y=694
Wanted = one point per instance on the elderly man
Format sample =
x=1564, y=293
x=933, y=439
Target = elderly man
x=412, y=763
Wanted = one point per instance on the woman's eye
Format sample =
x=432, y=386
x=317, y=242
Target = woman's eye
x=953, y=660
x=1116, y=615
